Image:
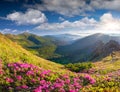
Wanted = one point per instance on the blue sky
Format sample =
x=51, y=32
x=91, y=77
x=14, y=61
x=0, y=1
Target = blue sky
x=45, y=17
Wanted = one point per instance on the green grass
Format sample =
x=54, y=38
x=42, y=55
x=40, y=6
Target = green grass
x=108, y=64
x=12, y=52
x=43, y=47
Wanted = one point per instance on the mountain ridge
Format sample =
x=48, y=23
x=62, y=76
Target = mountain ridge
x=79, y=51
x=38, y=45
x=82, y=49
x=12, y=52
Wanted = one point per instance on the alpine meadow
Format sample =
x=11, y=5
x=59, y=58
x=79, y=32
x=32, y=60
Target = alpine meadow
x=59, y=46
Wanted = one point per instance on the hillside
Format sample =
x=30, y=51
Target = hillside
x=90, y=48
x=109, y=63
x=83, y=43
x=63, y=39
x=12, y=52
x=26, y=76
x=40, y=46
x=104, y=50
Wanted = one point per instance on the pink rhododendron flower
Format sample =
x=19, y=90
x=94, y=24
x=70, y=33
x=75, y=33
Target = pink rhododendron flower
x=30, y=73
x=19, y=77
x=24, y=86
x=72, y=90
x=10, y=80
x=29, y=77
x=38, y=89
x=92, y=81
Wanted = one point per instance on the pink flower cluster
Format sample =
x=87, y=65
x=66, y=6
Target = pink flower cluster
x=19, y=77
x=23, y=76
x=91, y=80
x=22, y=87
x=61, y=84
x=90, y=71
x=10, y=80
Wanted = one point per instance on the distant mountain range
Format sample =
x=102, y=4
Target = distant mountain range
x=12, y=52
x=84, y=49
x=38, y=45
x=63, y=39
x=102, y=50
x=66, y=48
x=43, y=46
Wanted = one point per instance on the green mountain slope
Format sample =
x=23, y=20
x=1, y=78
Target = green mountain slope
x=38, y=45
x=12, y=52
x=109, y=63
x=90, y=48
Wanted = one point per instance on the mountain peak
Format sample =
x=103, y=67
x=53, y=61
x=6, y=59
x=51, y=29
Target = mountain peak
x=104, y=50
x=113, y=45
x=14, y=52
x=25, y=33
x=99, y=34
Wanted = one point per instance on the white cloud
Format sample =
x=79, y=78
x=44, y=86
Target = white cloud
x=12, y=31
x=31, y=16
x=76, y=7
x=64, y=7
x=106, y=4
x=6, y=30
x=83, y=24
x=106, y=24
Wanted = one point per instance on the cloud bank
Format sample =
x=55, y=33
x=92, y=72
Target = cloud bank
x=84, y=23
x=76, y=7
x=31, y=16
x=106, y=24
x=13, y=31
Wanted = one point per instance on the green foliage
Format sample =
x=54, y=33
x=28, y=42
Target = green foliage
x=104, y=71
x=61, y=60
x=12, y=52
x=78, y=67
x=106, y=80
x=37, y=45
x=47, y=51
x=23, y=77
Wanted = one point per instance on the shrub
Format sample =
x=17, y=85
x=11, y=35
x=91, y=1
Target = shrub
x=79, y=67
x=23, y=77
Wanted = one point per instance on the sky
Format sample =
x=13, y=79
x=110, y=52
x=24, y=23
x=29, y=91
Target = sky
x=51, y=17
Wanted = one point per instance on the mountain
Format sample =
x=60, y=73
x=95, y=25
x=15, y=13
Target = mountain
x=116, y=38
x=57, y=49
x=83, y=43
x=38, y=45
x=24, y=76
x=83, y=49
x=12, y=52
x=63, y=39
x=108, y=63
x=105, y=49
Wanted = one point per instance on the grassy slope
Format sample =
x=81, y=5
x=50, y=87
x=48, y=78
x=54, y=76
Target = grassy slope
x=23, y=40
x=107, y=63
x=12, y=52
x=39, y=46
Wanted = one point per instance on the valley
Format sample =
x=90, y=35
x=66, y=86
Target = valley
x=59, y=45
x=99, y=74
x=89, y=48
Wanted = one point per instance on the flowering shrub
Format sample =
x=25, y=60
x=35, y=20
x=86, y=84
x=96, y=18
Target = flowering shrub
x=27, y=77
x=105, y=83
x=23, y=77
